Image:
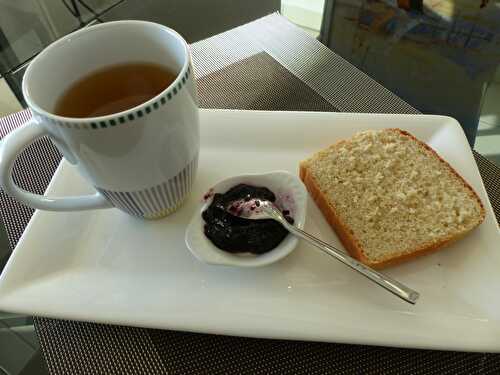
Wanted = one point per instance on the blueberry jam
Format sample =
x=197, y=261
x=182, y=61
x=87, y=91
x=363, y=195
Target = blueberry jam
x=239, y=235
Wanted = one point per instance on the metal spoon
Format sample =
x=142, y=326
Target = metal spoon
x=262, y=209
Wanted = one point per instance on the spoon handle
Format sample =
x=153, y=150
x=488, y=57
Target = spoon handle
x=393, y=286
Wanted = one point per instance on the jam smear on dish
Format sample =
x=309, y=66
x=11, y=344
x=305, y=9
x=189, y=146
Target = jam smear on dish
x=236, y=234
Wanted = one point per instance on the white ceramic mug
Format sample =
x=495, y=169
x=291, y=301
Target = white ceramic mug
x=142, y=160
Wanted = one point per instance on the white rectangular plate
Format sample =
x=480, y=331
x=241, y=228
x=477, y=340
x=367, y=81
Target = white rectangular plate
x=105, y=266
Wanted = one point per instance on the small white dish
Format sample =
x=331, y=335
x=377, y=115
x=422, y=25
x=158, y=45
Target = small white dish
x=290, y=194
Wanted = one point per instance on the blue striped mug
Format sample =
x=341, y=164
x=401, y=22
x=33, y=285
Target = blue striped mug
x=142, y=160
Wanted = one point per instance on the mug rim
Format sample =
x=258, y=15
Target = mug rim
x=56, y=44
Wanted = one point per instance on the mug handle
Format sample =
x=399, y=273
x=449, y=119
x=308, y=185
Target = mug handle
x=11, y=147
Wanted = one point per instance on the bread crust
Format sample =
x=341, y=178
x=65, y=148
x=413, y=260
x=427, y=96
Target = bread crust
x=329, y=212
x=346, y=235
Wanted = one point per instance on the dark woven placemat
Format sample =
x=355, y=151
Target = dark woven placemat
x=258, y=82
x=76, y=347
x=491, y=180
x=70, y=347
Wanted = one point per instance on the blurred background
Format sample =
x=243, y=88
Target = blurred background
x=441, y=56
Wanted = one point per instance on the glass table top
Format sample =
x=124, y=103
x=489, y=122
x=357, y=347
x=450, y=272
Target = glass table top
x=27, y=26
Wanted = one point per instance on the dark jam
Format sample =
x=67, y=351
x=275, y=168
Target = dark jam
x=236, y=234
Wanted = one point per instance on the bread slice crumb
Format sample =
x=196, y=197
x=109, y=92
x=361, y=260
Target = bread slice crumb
x=390, y=197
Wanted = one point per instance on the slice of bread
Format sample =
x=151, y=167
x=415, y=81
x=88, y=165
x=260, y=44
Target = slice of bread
x=390, y=197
